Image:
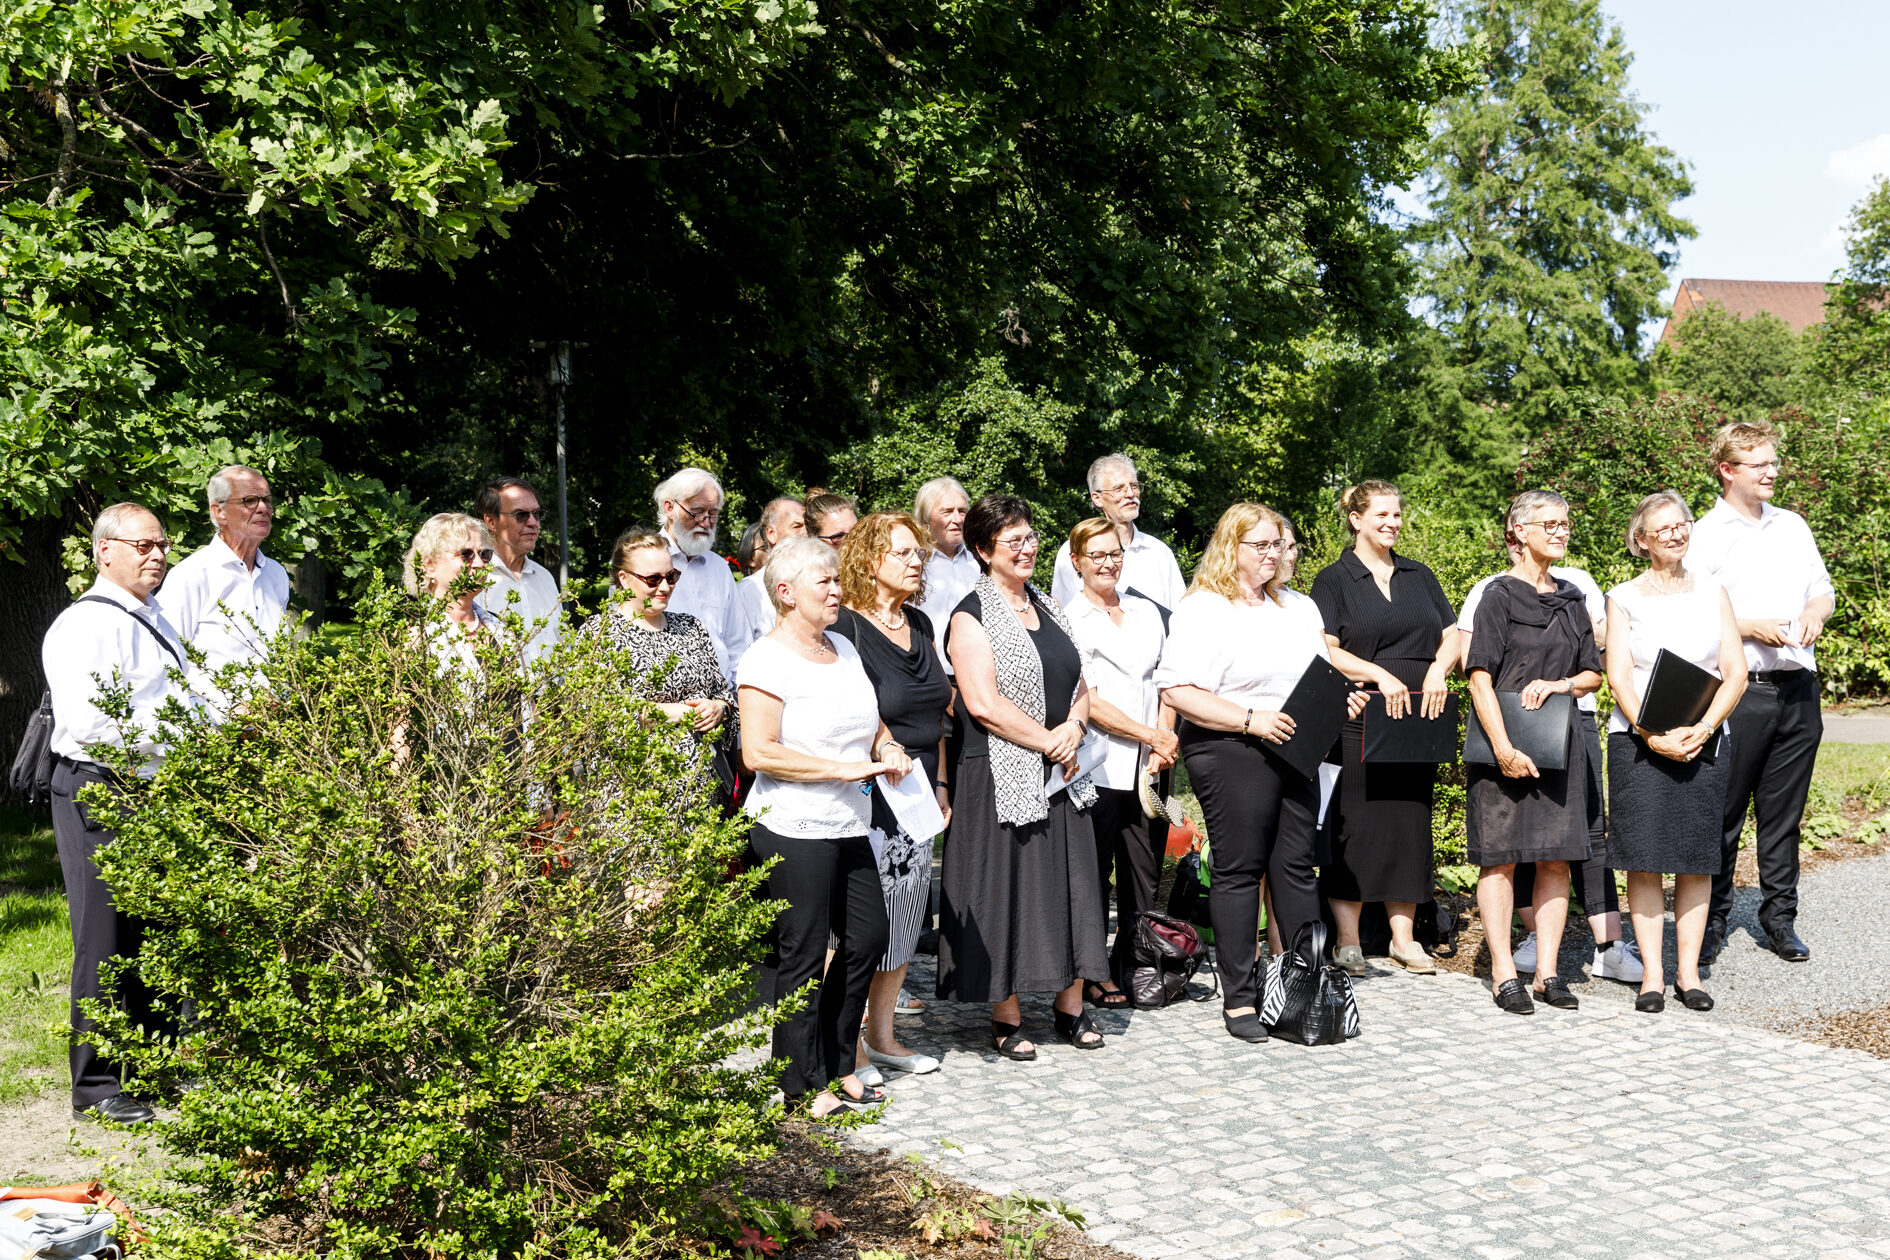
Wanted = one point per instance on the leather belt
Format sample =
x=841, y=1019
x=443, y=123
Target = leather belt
x=1774, y=677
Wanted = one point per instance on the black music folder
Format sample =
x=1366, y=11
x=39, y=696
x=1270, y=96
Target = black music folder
x=1412, y=737
x=1542, y=735
x=1678, y=693
x=1317, y=707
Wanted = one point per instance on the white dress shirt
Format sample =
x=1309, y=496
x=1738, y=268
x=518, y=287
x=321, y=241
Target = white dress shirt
x=948, y=579
x=754, y=617
x=1251, y=654
x=539, y=605
x=1770, y=568
x=1592, y=599
x=1119, y=666
x=221, y=606
x=1148, y=568
x=707, y=593
x=90, y=647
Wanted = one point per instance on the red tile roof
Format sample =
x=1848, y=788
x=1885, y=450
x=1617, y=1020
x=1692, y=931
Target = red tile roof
x=1800, y=303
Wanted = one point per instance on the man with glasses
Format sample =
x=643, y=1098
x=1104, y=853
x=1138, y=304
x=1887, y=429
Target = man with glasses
x=780, y=520
x=115, y=636
x=1148, y=566
x=690, y=504
x=510, y=508
x=1781, y=593
x=227, y=598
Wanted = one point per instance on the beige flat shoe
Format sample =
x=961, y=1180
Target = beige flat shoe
x=1414, y=960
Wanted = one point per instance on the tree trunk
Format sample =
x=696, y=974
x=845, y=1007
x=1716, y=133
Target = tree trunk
x=33, y=592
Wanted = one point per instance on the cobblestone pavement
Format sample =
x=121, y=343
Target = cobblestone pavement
x=1449, y=1129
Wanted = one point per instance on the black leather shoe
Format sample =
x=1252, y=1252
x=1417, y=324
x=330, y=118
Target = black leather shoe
x=1555, y=993
x=1714, y=940
x=1246, y=1027
x=1786, y=945
x=118, y=1109
x=1513, y=996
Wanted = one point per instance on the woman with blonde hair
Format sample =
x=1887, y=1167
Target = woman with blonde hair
x=450, y=560
x=1237, y=645
x=882, y=580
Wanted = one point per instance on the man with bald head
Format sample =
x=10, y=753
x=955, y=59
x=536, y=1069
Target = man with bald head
x=114, y=636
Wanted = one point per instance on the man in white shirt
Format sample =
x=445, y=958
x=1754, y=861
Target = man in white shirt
x=780, y=520
x=940, y=506
x=510, y=508
x=1782, y=595
x=227, y=599
x=115, y=636
x=689, y=504
x=1148, y=566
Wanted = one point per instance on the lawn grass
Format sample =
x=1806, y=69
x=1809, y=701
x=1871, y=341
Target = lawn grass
x=35, y=958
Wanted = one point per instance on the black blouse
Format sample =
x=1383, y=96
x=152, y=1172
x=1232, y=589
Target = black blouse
x=1062, y=670
x=1401, y=633
x=1522, y=634
x=911, y=684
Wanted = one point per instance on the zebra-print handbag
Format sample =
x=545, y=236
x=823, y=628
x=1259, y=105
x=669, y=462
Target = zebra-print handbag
x=1308, y=1000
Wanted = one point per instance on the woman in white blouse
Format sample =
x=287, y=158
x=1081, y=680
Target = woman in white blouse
x=1120, y=638
x=1668, y=787
x=812, y=735
x=1236, y=647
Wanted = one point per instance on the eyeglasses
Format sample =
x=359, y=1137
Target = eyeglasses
x=1104, y=557
x=521, y=515
x=702, y=516
x=1669, y=533
x=144, y=545
x=1267, y=547
x=251, y=502
x=1021, y=543
x=1773, y=464
x=654, y=580
x=834, y=540
x=466, y=554
x=1548, y=527
x=906, y=555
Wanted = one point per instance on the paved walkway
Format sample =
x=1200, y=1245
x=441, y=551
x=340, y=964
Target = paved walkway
x=1872, y=728
x=1448, y=1129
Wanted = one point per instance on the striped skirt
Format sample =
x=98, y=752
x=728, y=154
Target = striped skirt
x=905, y=881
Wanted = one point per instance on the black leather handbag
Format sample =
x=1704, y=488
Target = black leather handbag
x=31, y=778
x=1164, y=957
x=1308, y=1000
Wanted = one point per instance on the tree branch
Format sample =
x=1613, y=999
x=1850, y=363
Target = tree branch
x=68, y=144
x=293, y=318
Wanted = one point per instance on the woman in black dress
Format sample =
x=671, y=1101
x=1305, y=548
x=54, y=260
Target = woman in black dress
x=1022, y=909
x=1533, y=637
x=1390, y=615
x=882, y=579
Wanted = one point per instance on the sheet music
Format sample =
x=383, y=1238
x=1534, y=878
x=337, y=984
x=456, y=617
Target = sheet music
x=914, y=803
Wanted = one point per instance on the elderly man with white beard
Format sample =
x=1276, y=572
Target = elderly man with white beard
x=690, y=504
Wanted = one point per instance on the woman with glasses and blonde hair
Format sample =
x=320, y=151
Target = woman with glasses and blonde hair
x=1022, y=911
x=1237, y=645
x=669, y=658
x=1533, y=637
x=882, y=580
x=450, y=559
x=1668, y=787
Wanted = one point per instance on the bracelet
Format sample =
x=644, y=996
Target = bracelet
x=1245, y=727
x=880, y=752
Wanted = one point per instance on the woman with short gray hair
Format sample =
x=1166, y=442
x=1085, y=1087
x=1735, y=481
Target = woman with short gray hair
x=1534, y=639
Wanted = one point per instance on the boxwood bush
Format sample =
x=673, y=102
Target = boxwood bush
x=449, y=983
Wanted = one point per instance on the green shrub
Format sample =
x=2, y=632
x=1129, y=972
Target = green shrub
x=481, y=998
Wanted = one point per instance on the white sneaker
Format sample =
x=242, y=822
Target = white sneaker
x=1621, y=960
x=1525, y=954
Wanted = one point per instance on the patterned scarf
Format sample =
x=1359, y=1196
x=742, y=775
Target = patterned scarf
x=1018, y=772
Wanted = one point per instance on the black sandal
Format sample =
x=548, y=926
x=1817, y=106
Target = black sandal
x=1008, y=1038
x=1554, y=991
x=871, y=1096
x=1513, y=996
x=1078, y=1030
x=1108, y=999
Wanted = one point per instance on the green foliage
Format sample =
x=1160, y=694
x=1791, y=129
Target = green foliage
x=35, y=958
x=1745, y=367
x=454, y=990
x=1854, y=344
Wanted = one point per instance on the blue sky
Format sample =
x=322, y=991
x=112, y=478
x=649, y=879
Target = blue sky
x=1781, y=111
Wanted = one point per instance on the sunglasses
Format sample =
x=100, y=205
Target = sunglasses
x=144, y=545
x=521, y=515
x=466, y=555
x=654, y=580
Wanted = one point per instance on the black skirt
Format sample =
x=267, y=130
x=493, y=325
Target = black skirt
x=1380, y=827
x=1666, y=814
x=1544, y=819
x=1021, y=910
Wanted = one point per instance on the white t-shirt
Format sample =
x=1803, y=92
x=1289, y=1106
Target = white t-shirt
x=1686, y=624
x=1251, y=654
x=1770, y=569
x=1119, y=666
x=1148, y=567
x=1592, y=598
x=828, y=711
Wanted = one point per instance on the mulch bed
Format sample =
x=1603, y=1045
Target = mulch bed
x=1868, y=1031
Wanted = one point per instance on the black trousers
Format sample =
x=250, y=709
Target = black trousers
x=99, y=932
x=830, y=886
x=1594, y=879
x=1776, y=730
x=1260, y=819
x=1127, y=843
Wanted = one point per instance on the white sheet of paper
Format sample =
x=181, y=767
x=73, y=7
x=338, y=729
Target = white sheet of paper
x=1328, y=780
x=1089, y=755
x=914, y=803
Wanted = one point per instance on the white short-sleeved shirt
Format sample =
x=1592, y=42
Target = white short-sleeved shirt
x=706, y=591
x=1592, y=599
x=1686, y=624
x=222, y=607
x=753, y=618
x=90, y=647
x=1250, y=654
x=1119, y=666
x=828, y=711
x=1770, y=569
x=539, y=605
x=948, y=579
x=1148, y=568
